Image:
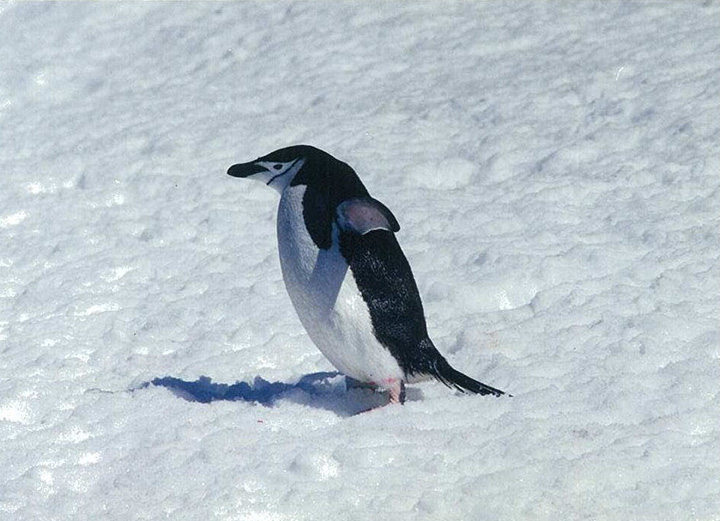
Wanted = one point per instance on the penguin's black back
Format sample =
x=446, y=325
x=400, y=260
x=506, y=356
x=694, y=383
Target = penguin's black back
x=385, y=280
x=383, y=275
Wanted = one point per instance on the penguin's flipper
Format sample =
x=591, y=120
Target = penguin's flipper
x=365, y=214
x=385, y=281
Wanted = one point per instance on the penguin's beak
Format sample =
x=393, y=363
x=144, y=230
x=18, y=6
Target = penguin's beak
x=245, y=169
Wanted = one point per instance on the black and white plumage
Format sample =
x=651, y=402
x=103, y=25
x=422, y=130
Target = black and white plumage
x=347, y=277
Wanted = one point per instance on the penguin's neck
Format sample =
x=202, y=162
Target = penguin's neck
x=298, y=253
x=313, y=276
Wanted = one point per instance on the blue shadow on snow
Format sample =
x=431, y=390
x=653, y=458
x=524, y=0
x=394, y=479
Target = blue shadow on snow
x=326, y=390
x=203, y=389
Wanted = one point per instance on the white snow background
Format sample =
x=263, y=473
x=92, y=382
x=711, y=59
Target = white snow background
x=555, y=168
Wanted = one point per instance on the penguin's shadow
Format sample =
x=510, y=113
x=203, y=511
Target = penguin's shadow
x=325, y=390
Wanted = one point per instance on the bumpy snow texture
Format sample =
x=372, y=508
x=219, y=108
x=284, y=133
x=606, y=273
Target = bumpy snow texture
x=555, y=168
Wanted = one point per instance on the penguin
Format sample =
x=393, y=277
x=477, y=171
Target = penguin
x=347, y=276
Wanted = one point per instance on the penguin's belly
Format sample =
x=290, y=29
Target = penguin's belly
x=327, y=299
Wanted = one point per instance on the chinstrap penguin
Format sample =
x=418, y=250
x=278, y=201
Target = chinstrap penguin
x=346, y=275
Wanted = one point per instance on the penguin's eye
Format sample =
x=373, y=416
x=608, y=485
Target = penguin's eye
x=277, y=166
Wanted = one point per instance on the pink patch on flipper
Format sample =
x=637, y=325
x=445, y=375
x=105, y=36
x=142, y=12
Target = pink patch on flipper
x=363, y=216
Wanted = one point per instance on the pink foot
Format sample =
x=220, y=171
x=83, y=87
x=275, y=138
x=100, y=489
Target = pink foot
x=396, y=391
x=396, y=388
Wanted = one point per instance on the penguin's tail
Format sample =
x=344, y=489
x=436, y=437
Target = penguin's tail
x=443, y=371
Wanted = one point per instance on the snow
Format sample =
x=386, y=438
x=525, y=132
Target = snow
x=554, y=168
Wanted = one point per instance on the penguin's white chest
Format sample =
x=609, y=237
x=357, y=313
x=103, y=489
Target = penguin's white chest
x=326, y=298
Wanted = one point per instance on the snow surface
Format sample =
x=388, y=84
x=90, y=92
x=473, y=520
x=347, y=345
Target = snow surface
x=555, y=168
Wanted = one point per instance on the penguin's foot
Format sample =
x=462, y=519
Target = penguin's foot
x=396, y=388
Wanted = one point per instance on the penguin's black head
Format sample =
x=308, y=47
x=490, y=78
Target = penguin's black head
x=299, y=165
x=276, y=169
